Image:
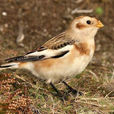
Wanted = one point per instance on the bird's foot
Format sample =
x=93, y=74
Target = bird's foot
x=62, y=97
x=74, y=91
x=59, y=94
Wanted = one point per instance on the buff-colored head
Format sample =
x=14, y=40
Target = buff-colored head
x=85, y=26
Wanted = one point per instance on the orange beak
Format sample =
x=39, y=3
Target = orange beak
x=99, y=24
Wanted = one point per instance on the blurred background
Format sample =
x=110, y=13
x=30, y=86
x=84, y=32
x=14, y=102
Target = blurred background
x=27, y=24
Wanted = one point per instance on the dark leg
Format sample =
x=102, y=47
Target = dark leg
x=58, y=92
x=62, y=97
x=72, y=90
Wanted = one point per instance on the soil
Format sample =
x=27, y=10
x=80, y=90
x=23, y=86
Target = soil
x=42, y=20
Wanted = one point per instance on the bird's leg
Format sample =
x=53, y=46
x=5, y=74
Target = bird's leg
x=57, y=91
x=61, y=96
x=74, y=91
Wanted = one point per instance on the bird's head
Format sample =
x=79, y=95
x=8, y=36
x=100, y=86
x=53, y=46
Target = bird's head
x=85, y=26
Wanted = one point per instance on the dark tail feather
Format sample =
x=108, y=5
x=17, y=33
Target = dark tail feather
x=18, y=58
x=25, y=58
x=9, y=66
x=5, y=66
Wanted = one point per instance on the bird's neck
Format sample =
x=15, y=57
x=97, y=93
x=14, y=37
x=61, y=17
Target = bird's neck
x=82, y=37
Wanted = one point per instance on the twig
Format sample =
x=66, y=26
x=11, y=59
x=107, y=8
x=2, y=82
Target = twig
x=81, y=11
x=97, y=79
x=108, y=94
x=93, y=104
x=79, y=1
x=20, y=37
x=21, y=78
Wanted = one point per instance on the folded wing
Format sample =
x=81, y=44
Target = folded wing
x=57, y=47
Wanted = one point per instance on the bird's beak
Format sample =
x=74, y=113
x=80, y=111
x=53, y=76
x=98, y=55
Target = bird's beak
x=99, y=24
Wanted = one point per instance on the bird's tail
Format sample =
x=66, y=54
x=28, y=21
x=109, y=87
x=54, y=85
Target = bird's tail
x=13, y=65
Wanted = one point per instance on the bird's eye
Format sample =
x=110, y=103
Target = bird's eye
x=88, y=22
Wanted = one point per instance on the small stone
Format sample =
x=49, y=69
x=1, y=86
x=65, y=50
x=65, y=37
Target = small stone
x=4, y=13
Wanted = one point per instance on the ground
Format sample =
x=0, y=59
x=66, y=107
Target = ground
x=38, y=21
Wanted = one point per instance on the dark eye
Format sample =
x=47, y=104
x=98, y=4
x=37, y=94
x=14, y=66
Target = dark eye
x=88, y=22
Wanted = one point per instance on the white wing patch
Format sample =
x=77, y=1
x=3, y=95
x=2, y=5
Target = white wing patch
x=49, y=52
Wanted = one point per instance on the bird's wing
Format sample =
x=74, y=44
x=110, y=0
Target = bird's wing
x=56, y=47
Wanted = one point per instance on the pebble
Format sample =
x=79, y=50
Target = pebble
x=4, y=13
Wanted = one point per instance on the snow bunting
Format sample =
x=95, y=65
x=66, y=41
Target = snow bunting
x=63, y=56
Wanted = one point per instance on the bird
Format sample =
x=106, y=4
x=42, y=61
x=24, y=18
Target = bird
x=65, y=55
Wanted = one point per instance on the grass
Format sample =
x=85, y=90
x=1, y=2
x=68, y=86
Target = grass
x=98, y=95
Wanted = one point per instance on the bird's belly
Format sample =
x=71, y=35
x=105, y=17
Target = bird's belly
x=54, y=70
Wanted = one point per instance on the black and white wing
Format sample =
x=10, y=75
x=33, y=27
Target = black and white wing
x=56, y=47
